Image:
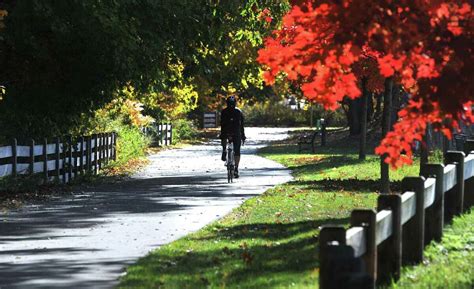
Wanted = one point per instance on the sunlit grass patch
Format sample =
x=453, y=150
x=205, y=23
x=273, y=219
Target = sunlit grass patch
x=271, y=240
x=448, y=264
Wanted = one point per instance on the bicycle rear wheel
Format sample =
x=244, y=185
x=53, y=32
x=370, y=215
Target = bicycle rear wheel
x=230, y=175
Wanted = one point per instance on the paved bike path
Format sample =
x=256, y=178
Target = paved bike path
x=85, y=240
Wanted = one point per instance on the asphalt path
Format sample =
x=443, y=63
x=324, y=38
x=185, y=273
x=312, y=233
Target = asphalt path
x=86, y=240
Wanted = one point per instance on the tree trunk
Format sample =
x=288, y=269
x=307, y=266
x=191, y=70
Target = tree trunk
x=363, y=121
x=370, y=107
x=378, y=105
x=354, y=113
x=386, y=126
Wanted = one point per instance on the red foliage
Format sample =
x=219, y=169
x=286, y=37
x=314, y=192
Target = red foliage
x=266, y=15
x=425, y=44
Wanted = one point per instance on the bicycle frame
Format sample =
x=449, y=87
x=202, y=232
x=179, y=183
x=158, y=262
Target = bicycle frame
x=230, y=161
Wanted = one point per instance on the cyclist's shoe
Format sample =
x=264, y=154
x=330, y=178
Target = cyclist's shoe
x=236, y=174
x=224, y=153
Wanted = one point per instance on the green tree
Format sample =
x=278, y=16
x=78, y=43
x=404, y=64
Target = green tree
x=61, y=59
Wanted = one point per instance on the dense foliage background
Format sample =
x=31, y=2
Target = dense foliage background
x=63, y=60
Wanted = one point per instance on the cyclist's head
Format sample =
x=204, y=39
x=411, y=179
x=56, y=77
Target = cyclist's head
x=231, y=101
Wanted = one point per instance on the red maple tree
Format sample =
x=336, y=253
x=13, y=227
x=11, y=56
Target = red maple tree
x=425, y=45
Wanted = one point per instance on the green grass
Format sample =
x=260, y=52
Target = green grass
x=271, y=240
x=334, y=163
x=447, y=265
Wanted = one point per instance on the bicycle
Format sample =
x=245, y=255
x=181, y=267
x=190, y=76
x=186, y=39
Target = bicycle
x=230, y=161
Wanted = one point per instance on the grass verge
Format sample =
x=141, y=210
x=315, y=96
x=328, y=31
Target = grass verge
x=271, y=240
x=448, y=264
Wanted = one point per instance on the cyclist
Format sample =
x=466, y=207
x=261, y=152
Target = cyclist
x=232, y=127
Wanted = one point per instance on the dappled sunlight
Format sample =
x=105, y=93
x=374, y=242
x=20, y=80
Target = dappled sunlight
x=179, y=192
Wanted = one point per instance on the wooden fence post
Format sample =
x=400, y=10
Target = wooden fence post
x=96, y=154
x=101, y=150
x=88, y=153
x=455, y=206
x=330, y=269
x=367, y=219
x=45, y=160
x=57, y=156
x=171, y=134
x=69, y=155
x=469, y=146
x=103, y=159
x=160, y=134
x=64, y=156
x=32, y=156
x=111, y=138
x=323, y=132
x=469, y=192
x=14, y=156
x=161, y=138
x=163, y=134
x=389, y=252
x=75, y=150
x=104, y=149
x=166, y=134
x=81, y=155
x=111, y=141
x=114, y=146
x=435, y=213
x=413, y=234
x=107, y=147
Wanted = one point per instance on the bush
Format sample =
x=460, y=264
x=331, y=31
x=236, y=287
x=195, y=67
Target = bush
x=131, y=143
x=278, y=114
x=125, y=117
x=184, y=129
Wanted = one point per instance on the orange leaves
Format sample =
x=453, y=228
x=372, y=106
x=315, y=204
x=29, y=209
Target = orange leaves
x=389, y=64
x=423, y=45
x=303, y=51
x=451, y=15
x=414, y=119
x=266, y=15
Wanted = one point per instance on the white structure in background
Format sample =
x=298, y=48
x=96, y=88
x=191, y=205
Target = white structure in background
x=294, y=103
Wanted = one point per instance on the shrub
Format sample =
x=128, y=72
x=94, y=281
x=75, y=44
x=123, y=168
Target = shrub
x=125, y=117
x=184, y=129
x=131, y=143
x=278, y=114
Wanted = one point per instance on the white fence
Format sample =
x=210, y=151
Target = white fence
x=373, y=250
x=58, y=160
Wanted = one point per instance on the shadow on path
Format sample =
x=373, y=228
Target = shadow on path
x=86, y=239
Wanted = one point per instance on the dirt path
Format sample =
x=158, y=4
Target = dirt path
x=86, y=240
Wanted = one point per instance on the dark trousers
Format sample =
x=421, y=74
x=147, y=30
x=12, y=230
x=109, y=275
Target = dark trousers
x=237, y=141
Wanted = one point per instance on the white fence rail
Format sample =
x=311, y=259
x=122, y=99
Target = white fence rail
x=60, y=160
x=378, y=243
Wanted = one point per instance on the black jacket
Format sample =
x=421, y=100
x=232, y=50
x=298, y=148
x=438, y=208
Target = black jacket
x=232, y=123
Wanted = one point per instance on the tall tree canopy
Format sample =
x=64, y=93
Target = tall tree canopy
x=425, y=45
x=61, y=59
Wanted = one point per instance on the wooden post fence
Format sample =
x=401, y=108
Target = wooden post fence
x=60, y=160
x=45, y=161
x=164, y=134
x=57, y=160
x=377, y=244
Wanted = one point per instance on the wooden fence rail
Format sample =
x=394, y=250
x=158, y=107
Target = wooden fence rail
x=373, y=250
x=161, y=134
x=58, y=160
x=165, y=134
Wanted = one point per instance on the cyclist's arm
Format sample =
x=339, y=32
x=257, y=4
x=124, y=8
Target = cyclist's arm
x=223, y=125
x=242, y=130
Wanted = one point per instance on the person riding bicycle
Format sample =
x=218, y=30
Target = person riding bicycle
x=232, y=127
